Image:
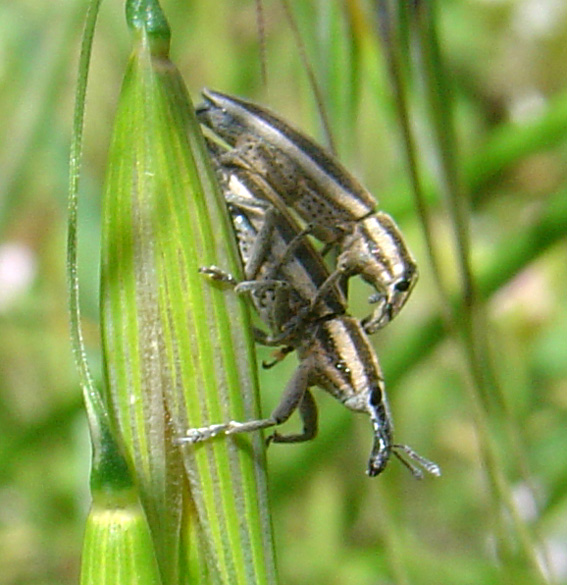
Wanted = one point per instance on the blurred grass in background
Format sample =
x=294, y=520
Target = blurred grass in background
x=333, y=525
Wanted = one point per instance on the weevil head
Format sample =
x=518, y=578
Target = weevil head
x=344, y=363
x=390, y=303
x=375, y=249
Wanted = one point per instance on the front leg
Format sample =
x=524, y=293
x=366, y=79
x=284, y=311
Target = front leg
x=240, y=287
x=293, y=395
x=234, y=158
x=219, y=275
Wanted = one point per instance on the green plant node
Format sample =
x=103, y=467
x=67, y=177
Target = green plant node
x=148, y=17
x=110, y=469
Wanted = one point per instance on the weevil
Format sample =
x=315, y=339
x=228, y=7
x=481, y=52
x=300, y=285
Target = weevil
x=333, y=349
x=335, y=355
x=338, y=209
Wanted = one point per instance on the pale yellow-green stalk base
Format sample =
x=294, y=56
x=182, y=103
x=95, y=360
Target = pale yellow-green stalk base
x=118, y=547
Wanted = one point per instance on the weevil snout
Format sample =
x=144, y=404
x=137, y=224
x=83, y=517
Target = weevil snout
x=380, y=455
x=389, y=302
x=382, y=447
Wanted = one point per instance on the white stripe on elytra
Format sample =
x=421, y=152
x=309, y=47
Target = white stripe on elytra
x=276, y=136
x=348, y=349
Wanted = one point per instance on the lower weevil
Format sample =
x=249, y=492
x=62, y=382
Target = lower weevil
x=334, y=351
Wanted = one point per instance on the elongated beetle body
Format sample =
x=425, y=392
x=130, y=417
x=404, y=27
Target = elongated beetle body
x=307, y=179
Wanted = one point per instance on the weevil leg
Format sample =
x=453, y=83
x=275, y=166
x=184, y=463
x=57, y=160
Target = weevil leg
x=291, y=249
x=264, y=244
x=308, y=412
x=279, y=356
x=255, y=285
x=340, y=274
x=291, y=398
x=270, y=341
x=235, y=159
x=246, y=204
x=219, y=275
x=307, y=312
x=222, y=153
x=331, y=280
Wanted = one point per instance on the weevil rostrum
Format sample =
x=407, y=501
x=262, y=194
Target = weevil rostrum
x=290, y=288
x=323, y=194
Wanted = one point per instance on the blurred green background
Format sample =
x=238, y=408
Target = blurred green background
x=508, y=65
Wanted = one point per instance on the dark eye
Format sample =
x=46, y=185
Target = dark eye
x=402, y=285
x=375, y=397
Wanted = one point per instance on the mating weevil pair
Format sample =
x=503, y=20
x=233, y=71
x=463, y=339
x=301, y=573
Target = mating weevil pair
x=339, y=211
x=301, y=302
